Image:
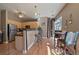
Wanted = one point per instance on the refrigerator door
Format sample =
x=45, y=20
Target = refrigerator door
x=1, y=37
x=12, y=32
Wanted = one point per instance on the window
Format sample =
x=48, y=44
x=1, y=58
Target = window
x=58, y=24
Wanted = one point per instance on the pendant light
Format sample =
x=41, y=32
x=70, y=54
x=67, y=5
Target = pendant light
x=70, y=19
x=36, y=13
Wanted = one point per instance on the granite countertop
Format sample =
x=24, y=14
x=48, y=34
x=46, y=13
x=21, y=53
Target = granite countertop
x=30, y=29
x=19, y=34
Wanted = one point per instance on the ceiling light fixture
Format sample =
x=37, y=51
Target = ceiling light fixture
x=70, y=19
x=20, y=15
x=36, y=12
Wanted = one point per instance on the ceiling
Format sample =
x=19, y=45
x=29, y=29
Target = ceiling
x=44, y=9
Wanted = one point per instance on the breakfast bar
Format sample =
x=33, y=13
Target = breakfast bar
x=25, y=42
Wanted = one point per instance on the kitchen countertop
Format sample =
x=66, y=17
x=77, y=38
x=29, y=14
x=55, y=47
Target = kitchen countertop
x=19, y=34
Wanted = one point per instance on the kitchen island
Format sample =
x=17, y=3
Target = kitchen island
x=25, y=42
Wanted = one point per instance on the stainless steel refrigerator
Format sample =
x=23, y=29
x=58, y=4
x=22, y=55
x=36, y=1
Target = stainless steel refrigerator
x=11, y=32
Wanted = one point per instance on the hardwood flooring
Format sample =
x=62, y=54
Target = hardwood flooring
x=8, y=49
x=39, y=48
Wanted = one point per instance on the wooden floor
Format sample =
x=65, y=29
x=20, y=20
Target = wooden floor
x=39, y=48
x=8, y=49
